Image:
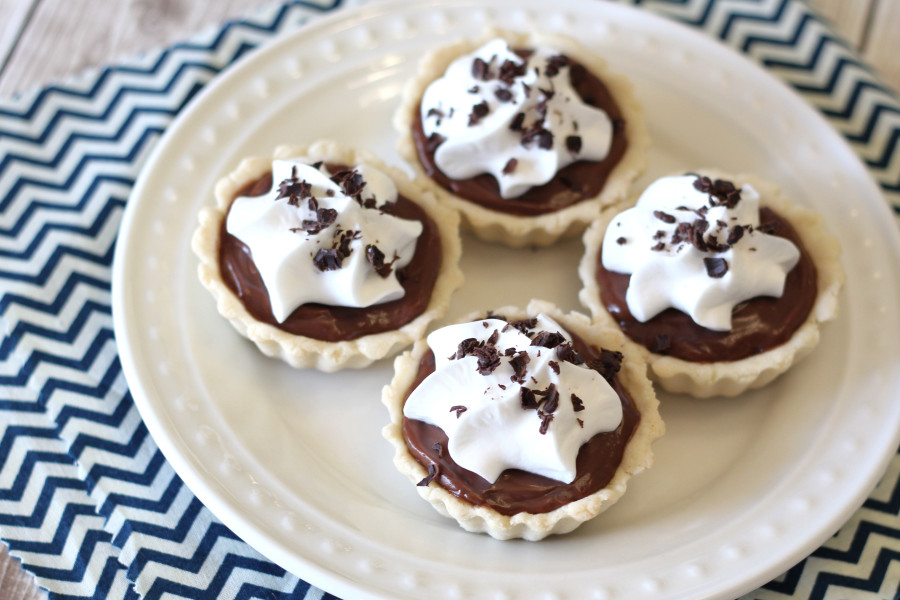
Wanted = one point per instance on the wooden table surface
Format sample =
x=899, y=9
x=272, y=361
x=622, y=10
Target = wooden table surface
x=42, y=41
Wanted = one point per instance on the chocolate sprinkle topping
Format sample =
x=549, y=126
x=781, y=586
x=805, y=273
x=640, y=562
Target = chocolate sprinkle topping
x=573, y=144
x=664, y=217
x=510, y=166
x=715, y=267
x=577, y=403
x=434, y=140
x=548, y=339
x=432, y=473
x=721, y=192
x=503, y=95
x=328, y=259
x=376, y=259
x=459, y=409
x=607, y=364
x=479, y=111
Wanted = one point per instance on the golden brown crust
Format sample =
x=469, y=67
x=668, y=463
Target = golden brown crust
x=300, y=351
x=734, y=377
x=541, y=230
x=637, y=457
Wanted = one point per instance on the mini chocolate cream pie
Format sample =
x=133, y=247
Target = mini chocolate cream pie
x=521, y=423
x=325, y=257
x=719, y=281
x=527, y=135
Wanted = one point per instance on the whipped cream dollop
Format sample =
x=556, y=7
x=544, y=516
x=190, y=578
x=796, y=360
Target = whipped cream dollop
x=515, y=396
x=317, y=237
x=696, y=244
x=519, y=120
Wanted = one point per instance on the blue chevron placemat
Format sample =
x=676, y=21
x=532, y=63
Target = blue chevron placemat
x=87, y=501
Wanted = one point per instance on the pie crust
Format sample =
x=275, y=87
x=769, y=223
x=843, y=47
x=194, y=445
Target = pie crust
x=730, y=378
x=482, y=519
x=545, y=229
x=305, y=352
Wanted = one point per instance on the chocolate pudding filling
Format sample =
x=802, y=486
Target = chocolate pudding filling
x=336, y=323
x=517, y=491
x=758, y=325
x=576, y=182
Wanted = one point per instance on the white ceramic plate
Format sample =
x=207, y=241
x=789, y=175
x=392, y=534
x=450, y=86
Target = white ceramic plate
x=294, y=462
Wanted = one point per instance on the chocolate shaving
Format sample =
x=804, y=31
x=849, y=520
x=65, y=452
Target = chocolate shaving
x=554, y=366
x=660, y=344
x=735, y=235
x=715, y=267
x=554, y=64
x=293, y=189
x=768, y=228
x=459, y=409
x=474, y=89
x=465, y=348
x=573, y=144
x=510, y=70
x=439, y=448
x=529, y=399
x=351, y=182
x=580, y=424
x=548, y=339
x=566, y=352
x=518, y=122
x=607, y=363
x=376, y=259
x=432, y=473
x=721, y=192
x=551, y=399
x=510, y=166
x=577, y=403
x=621, y=241
x=325, y=217
x=664, y=217
x=328, y=259
x=434, y=140
x=519, y=363
x=543, y=137
x=481, y=69
x=545, y=422
x=479, y=111
x=488, y=359
x=523, y=325
x=503, y=95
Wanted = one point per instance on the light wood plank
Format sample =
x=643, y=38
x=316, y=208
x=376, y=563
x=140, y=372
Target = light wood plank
x=15, y=14
x=15, y=583
x=850, y=18
x=69, y=37
x=882, y=47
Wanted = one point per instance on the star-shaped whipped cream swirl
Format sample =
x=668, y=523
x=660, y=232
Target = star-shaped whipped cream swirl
x=696, y=245
x=515, y=396
x=315, y=237
x=518, y=119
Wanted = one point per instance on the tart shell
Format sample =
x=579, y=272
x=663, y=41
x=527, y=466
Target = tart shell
x=301, y=351
x=730, y=378
x=638, y=455
x=546, y=229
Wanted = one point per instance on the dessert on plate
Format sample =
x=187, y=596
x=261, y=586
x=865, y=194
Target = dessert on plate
x=719, y=281
x=527, y=135
x=521, y=423
x=325, y=257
